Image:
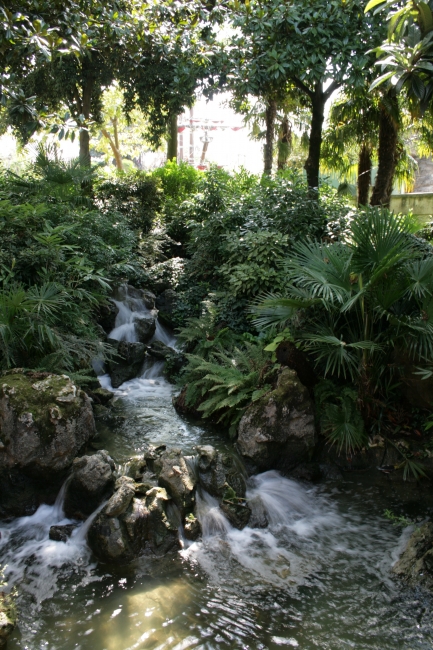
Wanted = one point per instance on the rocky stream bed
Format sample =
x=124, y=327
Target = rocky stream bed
x=162, y=535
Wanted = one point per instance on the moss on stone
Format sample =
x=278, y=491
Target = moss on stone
x=43, y=398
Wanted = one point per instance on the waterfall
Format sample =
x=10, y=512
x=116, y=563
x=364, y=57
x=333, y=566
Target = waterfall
x=133, y=309
x=36, y=562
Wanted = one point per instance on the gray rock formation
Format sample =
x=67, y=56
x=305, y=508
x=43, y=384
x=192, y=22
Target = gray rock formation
x=277, y=431
x=218, y=472
x=177, y=478
x=134, y=298
x=144, y=328
x=143, y=526
x=62, y=533
x=44, y=422
x=166, y=304
x=128, y=361
x=92, y=481
x=415, y=565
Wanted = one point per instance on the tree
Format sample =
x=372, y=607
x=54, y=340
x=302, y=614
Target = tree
x=119, y=137
x=353, y=126
x=406, y=62
x=313, y=46
x=146, y=47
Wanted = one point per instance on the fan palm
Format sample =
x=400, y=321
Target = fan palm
x=351, y=303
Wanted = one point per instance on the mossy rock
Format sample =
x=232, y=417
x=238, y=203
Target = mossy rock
x=45, y=420
x=278, y=431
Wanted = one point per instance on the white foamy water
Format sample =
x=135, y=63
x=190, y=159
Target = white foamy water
x=130, y=311
x=318, y=576
x=32, y=560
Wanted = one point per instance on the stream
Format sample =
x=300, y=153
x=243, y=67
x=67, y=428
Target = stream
x=317, y=578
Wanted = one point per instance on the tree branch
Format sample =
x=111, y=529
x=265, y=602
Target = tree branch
x=300, y=84
x=334, y=85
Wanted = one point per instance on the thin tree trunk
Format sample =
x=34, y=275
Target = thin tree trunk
x=172, y=138
x=114, y=149
x=270, y=115
x=86, y=106
x=387, y=153
x=285, y=143
x=364, y=174
x=312, y=164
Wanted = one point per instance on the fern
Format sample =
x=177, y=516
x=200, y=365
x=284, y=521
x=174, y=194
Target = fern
x=226, y=383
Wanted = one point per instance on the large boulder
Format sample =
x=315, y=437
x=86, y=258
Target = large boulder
x=166, y=304
x=217, y=472
x=143, y=524
x=177, y=477
x=277, y=431
x=134, y=298
x=415, y=565
x=127, y=363
x=45, y=420
x=144, y=328
x=106, y=315
x=92, y=481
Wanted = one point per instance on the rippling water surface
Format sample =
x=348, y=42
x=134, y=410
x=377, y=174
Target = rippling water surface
x=317, y=578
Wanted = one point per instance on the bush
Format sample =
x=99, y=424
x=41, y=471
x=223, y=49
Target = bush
x=137, y=196
x=351, y=304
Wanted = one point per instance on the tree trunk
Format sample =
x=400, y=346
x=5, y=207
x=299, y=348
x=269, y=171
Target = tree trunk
x=364, y=174
x=285, y=143
x=387, y=154
x=312, y=164
x=114, y=149
x=86, y=106
x=172, y=138
x=271, y=112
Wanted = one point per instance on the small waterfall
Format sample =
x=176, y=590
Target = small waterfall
x=130, y=310
x=36, y=562
x=293, y=512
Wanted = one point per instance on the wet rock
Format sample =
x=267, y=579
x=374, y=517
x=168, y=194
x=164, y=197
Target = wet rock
x=183, y=407
x=145, y=527
x=192, y=528
x=103, y=396
x=217, y=472
x=122, y=497
x=166, y=304
x=177, y=478
x=277, y=431
x=306, y=472
x=128, y=362
x=62, y=533
x=45, y=420
x=144, y=328
x=415, y=565
x=258, y=518
x=8, y=618
x=134, y=297
x=106, y=316
x=159, y=350
x=92, y=481
x=135, y=467
x=238, y=514
x=330, y=472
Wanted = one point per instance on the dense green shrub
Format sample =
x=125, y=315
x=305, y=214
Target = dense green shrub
x=138, y=196
x=351, y=304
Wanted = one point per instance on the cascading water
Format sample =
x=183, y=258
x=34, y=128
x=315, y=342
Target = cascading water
x=318, y=576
